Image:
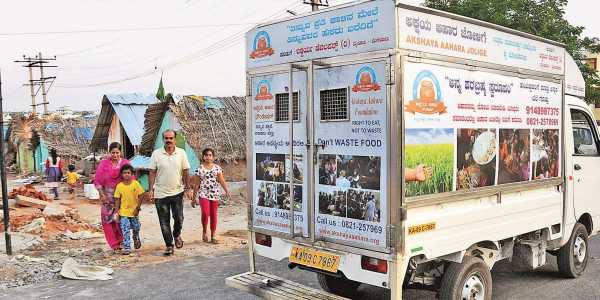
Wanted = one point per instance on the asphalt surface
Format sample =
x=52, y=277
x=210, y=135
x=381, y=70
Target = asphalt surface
x=203, y=278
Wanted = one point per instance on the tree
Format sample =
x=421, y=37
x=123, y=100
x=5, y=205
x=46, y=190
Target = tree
x=545, y=18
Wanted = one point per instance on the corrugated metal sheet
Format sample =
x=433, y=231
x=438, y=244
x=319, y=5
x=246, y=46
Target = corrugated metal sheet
x=132, y=98
x=130, y=109
x=140, y=162
x=132, y=120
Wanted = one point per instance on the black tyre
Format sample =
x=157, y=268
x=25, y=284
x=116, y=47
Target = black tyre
x=573, y=256
x=469, y=280
x=339, y=286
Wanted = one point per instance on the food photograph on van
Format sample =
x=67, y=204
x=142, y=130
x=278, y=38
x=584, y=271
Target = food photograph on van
x=282, y=197
x=270, y=167
x=544, y=153
x=333, y=203
x=429, y=161
x=359, y=172
x=514, y=155
x=297, y=169
x=267, y=195
x=476, y=158
x=327, y=169
x=363, y=205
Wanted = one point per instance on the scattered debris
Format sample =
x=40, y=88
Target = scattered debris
x=26, y=258
x=91, y=192
x=82, y=235
x=72, y=270
x=29, y=191
x=35, y=227
x=31, y=202
x=55, y=211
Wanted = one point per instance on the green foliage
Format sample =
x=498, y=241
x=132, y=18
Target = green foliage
x=437, y=156
x=545, y=18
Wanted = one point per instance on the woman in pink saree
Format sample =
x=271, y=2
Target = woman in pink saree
x=108, y=175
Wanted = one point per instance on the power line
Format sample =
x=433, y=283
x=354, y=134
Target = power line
x=133, y=29
x=212, y=49
x=41, y=62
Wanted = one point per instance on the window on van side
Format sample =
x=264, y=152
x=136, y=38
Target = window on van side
x=334, y=104
x=282, y=104
x=583, y=134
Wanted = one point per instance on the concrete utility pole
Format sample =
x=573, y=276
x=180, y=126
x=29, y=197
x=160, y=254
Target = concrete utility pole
x=41, y=62
x=315, y=4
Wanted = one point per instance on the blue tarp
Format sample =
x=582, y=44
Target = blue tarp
x=130, y=109
x=140, y=162
x=213, y=103
x=83, y=134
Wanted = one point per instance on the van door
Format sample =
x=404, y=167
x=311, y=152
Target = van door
x=279, y=181
x=586, y=165
x=351, y=154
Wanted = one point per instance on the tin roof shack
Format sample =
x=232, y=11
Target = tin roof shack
x=121, y=120
x=201, y=122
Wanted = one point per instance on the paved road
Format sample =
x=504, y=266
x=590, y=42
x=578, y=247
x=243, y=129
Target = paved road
x=203, y=278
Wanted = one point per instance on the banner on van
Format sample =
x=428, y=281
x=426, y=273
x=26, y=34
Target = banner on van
x=357, y=28
x=351, y=122
x=493, y=129
x=273, y=167
x=445, y=36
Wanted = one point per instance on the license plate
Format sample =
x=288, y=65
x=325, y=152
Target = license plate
x=315, y=259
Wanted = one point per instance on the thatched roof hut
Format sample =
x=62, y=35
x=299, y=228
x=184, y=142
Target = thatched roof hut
x=201, y=122
x=32, y=138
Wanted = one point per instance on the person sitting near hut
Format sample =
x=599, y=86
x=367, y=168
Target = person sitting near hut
x=54, y=168
x=72, y=179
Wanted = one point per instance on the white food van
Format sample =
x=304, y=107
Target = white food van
x=425, y=147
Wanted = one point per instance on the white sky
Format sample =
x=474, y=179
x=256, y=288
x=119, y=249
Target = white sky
x=193, y=60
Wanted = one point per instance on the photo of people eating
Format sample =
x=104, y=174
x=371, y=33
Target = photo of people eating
x=327, y=169
x=359, y=172
x=514, y=155
x=270, y=167
x=333, y=203
x=267, y=196
x=544, y=153
x=363, y=205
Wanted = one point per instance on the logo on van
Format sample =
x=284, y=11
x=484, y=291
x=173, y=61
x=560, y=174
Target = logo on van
x=263, y=90
x=427, y=95
x=261, y=47
x=365, y=80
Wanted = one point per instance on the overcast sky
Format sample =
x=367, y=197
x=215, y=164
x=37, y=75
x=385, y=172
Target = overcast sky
x=205, y=58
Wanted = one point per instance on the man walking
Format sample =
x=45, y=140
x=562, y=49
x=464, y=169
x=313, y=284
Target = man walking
x=169, y=180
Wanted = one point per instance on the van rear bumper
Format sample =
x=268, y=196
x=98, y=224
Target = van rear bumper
x=350, y=264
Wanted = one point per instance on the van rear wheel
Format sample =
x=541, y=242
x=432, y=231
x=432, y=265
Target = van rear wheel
x=573, y=256
x=469, y=280
x=337, y=285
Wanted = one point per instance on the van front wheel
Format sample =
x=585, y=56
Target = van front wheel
x=470, y=279
x=337, y=285
x=573, y=256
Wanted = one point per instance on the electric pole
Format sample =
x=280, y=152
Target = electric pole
x=3, y=181
x=315, y=4
x=41, y=62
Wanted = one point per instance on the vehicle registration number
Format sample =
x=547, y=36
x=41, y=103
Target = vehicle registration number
x=315, y=259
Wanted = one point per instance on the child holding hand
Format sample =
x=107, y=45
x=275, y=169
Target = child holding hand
x=128, y=203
